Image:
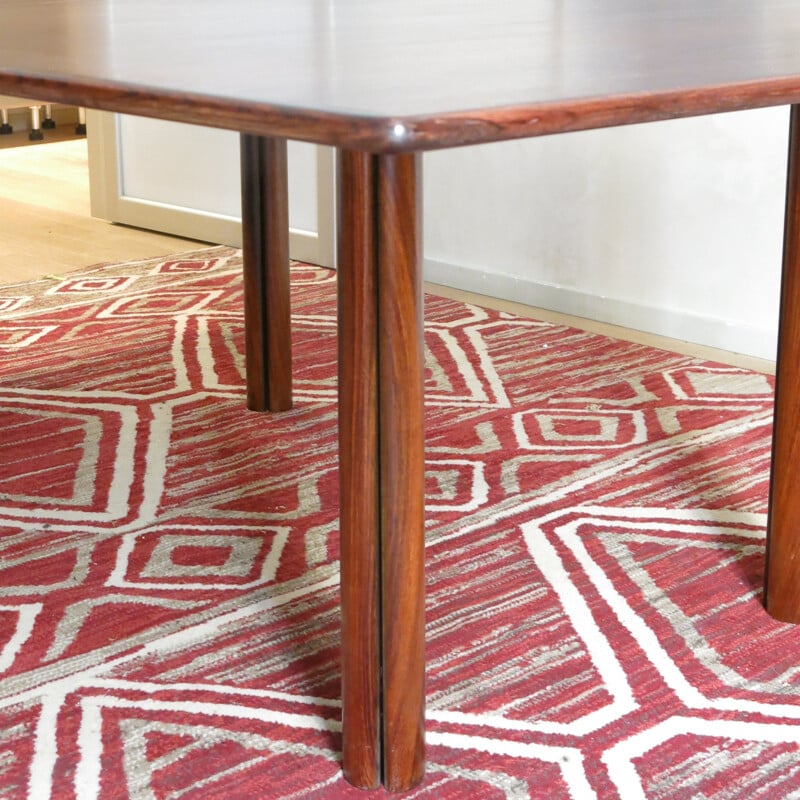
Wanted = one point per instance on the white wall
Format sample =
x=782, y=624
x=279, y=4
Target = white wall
x=673, y=227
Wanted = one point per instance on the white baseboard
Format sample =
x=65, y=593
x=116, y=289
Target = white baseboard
x=724, y=334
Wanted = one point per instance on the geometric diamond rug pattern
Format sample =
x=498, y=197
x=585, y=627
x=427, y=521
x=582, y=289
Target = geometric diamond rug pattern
x=169, y=619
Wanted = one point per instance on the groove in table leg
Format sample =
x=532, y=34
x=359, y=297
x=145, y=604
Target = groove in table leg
x=265, y=253
x=402, y=482
x=358, y=459
x=782, y=578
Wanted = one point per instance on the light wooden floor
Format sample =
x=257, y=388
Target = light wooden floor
x=46, y=228
x=45, y=223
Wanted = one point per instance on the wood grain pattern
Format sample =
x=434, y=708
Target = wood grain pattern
x=265, y=254
x=388, y=77
x=782, y=577
x=381, y=431
x=358, y=469
x=401, y=378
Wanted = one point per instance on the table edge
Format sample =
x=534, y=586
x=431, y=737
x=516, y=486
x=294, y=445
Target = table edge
x=402, y=133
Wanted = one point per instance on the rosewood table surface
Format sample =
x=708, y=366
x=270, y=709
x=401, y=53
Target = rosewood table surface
x=383, y=81
x=349, y=71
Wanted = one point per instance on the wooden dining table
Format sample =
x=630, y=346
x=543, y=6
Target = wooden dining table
x=383, y=82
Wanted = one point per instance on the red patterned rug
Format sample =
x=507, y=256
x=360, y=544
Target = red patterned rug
x=168, y=561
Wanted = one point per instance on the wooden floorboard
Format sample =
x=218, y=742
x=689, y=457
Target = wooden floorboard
x=45, y=222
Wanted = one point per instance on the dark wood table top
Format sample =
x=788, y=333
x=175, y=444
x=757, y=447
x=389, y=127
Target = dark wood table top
x=417, y=74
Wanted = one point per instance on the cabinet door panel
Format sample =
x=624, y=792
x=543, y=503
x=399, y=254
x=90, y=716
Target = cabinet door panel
x=184, y=180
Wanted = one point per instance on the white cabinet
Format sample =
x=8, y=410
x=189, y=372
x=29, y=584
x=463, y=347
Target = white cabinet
x=184, y=180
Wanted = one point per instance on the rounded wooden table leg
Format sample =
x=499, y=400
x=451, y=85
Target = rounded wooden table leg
x=358, y=470
x=401, y=378
x=782, y=578
x=265, y=253
x=381, y=422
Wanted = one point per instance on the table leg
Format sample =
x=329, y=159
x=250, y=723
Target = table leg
x=265, y=253
x=782, y=578
x=381, y=434
x=359, y=510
